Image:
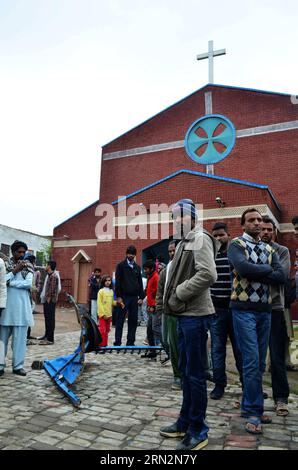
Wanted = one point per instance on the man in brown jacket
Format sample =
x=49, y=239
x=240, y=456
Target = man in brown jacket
x=187, y=296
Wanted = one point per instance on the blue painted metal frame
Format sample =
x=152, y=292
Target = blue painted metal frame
x=65, y=370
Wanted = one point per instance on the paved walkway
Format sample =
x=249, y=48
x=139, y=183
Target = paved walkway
x=125, y=400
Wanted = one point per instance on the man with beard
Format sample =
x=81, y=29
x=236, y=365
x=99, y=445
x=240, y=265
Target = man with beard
x=187, y=296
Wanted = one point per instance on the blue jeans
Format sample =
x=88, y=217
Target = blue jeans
x=192, y=341
x=252, y=330
x=221, y=328
x=277, y=345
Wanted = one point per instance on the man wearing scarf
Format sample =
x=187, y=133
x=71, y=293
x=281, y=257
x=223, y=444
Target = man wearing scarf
x=17, y=315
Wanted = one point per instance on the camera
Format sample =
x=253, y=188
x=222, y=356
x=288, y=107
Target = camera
x=220, y=202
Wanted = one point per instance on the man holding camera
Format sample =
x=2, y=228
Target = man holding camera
x=17, y=315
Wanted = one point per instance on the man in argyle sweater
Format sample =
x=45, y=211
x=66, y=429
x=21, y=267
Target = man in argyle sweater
x=255, y=267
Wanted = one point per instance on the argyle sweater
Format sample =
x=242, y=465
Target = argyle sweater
x=255, y=266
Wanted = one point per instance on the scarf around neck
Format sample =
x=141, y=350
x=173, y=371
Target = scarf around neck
x=11, y=264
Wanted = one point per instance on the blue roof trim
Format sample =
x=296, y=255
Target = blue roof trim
x=204, y=175
x=78, y=213
x=231, y=87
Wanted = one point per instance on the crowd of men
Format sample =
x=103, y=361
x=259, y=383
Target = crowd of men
x=238, y=289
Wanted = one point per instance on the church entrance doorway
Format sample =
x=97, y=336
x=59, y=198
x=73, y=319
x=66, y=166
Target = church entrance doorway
x=158, y=250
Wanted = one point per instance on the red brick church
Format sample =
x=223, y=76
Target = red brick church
x=226, y=148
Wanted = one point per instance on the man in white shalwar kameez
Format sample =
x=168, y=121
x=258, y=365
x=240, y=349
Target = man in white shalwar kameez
x=17, y=315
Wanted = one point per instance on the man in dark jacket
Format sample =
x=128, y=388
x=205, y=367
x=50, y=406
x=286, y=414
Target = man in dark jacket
x=278, y=334
x=129, y=290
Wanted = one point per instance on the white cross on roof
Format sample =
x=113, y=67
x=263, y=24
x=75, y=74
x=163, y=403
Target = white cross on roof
x=209, y=55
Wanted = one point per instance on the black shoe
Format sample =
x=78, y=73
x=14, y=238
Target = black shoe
x=217, y=392
x=265, y=395
x=41, y=337
x=172, y=431
x=191, y=443
x=150, y=355
x=20, y=372
x=1, y=372
x=165, y=361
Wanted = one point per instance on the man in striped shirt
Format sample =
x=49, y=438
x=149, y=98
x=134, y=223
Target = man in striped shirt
x=222, y=324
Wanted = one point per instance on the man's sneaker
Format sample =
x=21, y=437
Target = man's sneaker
x=191, y=443
x=217, y=392
x=172, y=431
x=41, y=337
x=146, y=342
x=1, y=372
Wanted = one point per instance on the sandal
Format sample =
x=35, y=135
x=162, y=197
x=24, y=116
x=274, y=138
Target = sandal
x=281, y=409
x=253, y=425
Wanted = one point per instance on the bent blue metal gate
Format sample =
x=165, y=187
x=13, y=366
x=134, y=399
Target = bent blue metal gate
x=65, y=370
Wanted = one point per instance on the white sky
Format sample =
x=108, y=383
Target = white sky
x=75, y=74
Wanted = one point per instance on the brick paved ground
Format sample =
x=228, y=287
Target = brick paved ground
x=125, y=400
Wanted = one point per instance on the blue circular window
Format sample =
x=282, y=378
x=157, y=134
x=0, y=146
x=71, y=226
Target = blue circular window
x=210, y=139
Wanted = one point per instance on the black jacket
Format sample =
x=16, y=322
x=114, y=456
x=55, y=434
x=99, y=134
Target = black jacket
x=129, y=280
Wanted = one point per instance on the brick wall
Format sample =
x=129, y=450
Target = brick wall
x=269, y=159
